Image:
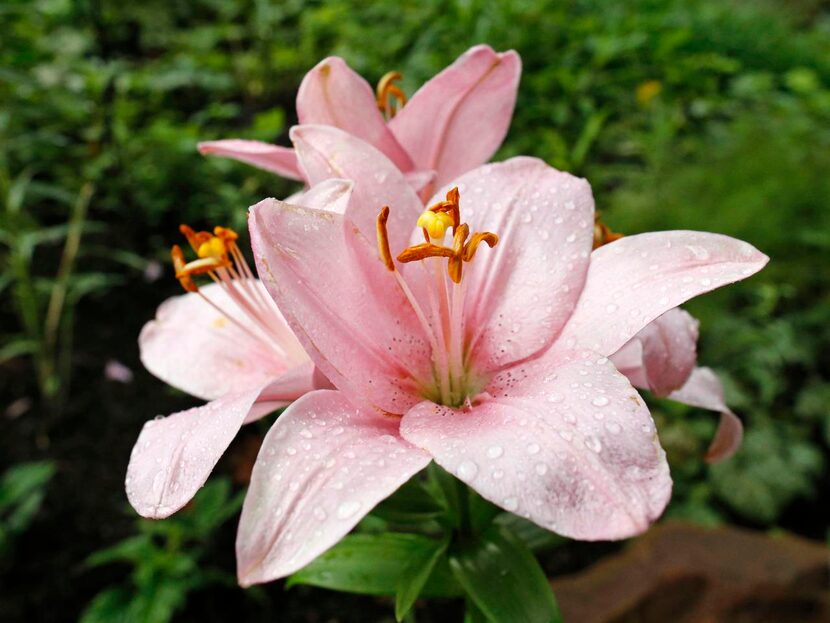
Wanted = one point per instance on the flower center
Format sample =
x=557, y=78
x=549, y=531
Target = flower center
x=390, y=96
x=453, y=382
x=247, y=306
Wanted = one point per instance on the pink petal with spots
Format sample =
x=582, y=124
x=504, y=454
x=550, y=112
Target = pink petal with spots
x=344, y=305
x=322, y=467
x=635, y=279
x=273, y=158
x=572, y=448
x=458, y=119
x=521, y=293
x=335, y=95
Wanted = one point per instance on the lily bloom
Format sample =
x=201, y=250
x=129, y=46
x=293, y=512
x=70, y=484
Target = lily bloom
x=662, y=358
x=472, y=99
x=226, y=343
x=482, y=343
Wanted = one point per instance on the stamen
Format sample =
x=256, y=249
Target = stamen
x=602, y=233
x=390, y=97
x=453, y=381
x=383, y=239
x=221, y=260
x=490, y=238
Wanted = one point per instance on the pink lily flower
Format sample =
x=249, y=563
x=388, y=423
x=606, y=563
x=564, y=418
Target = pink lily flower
x=493, y=362
x=226, y=343
x=662, y=358
x=472, y=99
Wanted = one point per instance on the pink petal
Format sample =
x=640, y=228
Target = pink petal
x=333, y=94
x=636, y=279
x=274, y=158
x=194, y=348
x=521, y=293
x=331, y=195
x=668, y=347
x=704, y=390
x=325, y=152
x=572, y=448
x=342, y=302
x=322, y=467
x=174, y=456
x=422, y=182
x=457, y=120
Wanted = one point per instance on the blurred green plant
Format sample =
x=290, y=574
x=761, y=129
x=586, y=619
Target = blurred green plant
x=22, y=489
x=44, y=304
x=166, y=561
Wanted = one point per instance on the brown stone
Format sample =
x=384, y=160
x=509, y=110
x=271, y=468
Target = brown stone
x=683, y=573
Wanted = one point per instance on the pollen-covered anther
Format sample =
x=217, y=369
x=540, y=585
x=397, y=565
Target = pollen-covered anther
x=390, y=97
x=383, y=239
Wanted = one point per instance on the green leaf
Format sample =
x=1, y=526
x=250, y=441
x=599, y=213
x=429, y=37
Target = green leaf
x=373, y=564
x=472, y=614
x=412, y=504
x=131, y=549
x=108, y=606
x=533, y=536
x=504, y=580
x=22, y=480
x=414, y=577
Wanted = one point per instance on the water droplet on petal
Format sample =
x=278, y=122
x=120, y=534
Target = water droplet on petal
x=495, y=452
x=510, y=504
x=533, y=448
x=592, y=443
x=600, y=401
x=347, y=509
x=467, y=470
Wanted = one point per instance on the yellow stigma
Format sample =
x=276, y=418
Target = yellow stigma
x=214, y=247
x=435, y=223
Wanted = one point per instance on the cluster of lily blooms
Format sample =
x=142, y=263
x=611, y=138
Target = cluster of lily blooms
x=415, y=304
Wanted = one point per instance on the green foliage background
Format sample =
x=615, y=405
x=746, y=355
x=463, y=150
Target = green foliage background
x=112, y=97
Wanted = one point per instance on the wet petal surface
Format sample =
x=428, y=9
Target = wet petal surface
x=573, y=448
x=322, y=467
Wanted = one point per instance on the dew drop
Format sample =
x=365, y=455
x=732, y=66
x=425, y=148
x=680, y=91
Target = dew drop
x=347, y=509
x=510, y=504
x=533, y=448
x=495, y=452
x=592, y=443
x=600, y=401
x=467, y=470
